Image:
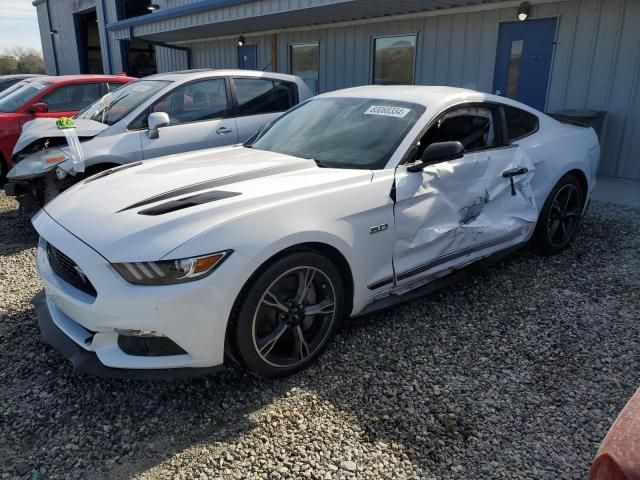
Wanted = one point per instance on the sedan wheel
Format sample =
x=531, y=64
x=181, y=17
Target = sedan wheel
x=564, y=215
x=560, y=216
x=289, y=314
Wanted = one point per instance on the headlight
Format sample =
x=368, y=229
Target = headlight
x=38, y=163
x=167, y=272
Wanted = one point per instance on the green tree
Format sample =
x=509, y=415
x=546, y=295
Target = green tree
x=21, y=60
x=8, y=64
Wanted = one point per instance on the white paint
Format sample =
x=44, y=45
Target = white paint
x=335, y=207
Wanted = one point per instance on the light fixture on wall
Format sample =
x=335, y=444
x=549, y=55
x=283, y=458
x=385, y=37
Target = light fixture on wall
x=153, y=7
x=524, y=10
x=241, y=41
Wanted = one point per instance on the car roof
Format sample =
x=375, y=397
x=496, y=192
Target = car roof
x=85, y=78
x=433, y=97
x=19, y=76
x=185, y=75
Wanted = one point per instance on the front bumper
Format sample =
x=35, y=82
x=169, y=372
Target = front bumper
x=87, y=362
x=193, y=315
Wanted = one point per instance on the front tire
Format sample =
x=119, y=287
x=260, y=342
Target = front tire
x=560, y=216
x=288, y=314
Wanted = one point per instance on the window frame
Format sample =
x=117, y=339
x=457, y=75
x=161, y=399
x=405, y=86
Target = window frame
x=503, y=108
x=290, y=60
x=373, y=55
x=43, y=97
x=499, y=123
x=236, y=104
x=146, y=111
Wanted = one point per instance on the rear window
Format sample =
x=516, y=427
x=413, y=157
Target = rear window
x=519, y=123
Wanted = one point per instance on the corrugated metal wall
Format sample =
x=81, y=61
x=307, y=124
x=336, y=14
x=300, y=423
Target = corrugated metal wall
x=45, y=38
x=596, y=63
x=62, y=20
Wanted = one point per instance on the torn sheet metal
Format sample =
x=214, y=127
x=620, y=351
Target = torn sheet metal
x=46, y=128
x=456, y=212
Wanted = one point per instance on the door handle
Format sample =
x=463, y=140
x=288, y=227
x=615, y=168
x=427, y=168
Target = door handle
x=514, y=172
x=223, y=131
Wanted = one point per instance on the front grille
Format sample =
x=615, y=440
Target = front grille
x=67, y=269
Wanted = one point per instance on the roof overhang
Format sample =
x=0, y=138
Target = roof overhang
x=219, y=18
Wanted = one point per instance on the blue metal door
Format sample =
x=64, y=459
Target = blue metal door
x=248, y=57
x=523, y=60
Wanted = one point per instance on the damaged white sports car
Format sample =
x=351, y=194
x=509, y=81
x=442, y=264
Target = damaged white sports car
x=353, y=201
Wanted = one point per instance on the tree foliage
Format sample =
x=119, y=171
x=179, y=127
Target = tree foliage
x=21, y=60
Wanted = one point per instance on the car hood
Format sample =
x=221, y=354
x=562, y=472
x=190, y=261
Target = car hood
x=144, y=211
x=46, y=127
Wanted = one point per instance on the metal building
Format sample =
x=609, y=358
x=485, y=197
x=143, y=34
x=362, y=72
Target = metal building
x=560, y=54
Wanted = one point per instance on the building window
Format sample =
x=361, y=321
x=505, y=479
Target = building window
x=305, y=63
x=394, y=59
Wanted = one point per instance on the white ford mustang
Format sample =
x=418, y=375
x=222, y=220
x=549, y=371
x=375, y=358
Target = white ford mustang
x=350, y=202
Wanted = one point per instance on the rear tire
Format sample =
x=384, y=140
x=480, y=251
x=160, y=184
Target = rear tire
x=560, y=216
x=288, y=314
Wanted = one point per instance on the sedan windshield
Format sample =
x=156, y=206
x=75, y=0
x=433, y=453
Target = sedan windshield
x=12, y=101
x=341, y=132
x=14, y=87
x=114, y=106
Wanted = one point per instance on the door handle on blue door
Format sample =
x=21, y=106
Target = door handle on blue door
x=223, y=131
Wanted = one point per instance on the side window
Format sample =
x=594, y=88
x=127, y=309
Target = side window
x=519, y=123
x=194, y=102
x=258, y=96
x=73, y=97
x=474, y=127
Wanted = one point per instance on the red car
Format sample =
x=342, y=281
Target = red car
x=62, y=96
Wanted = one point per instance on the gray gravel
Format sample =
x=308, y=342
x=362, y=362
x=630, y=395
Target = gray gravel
x=516, y=372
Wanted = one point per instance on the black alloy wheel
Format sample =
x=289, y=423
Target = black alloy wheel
x=289, y=314
x=560, y=216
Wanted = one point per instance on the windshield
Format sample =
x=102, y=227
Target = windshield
x=341, y=132
x=116, y=105
x=12, y=101
x=14, y=87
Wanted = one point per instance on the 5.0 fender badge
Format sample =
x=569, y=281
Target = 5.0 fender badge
x=378, y=228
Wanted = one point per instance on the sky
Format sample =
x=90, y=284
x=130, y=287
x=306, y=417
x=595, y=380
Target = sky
x=18, y=25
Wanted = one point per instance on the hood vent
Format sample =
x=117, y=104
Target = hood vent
x=187, y=202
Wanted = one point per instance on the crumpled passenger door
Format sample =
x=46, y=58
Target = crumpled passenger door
x=455, y=212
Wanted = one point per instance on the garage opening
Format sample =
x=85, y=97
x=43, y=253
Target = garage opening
x=89, y=51
x=138, y=56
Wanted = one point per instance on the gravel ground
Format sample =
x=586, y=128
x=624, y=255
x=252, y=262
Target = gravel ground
x=516, y=372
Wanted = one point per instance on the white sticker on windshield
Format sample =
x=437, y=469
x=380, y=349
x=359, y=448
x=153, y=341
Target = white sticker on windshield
x=38, y=86
x=387, y=111
x=140, y=88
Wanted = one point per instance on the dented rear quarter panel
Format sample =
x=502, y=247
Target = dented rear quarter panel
x=557, y=149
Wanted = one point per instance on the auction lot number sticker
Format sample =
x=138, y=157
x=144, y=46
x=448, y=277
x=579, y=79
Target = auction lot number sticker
x=387, y=111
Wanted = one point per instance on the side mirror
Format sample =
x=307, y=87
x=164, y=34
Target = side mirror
x=157, y=120
x=436, y=153
x=39, y=107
